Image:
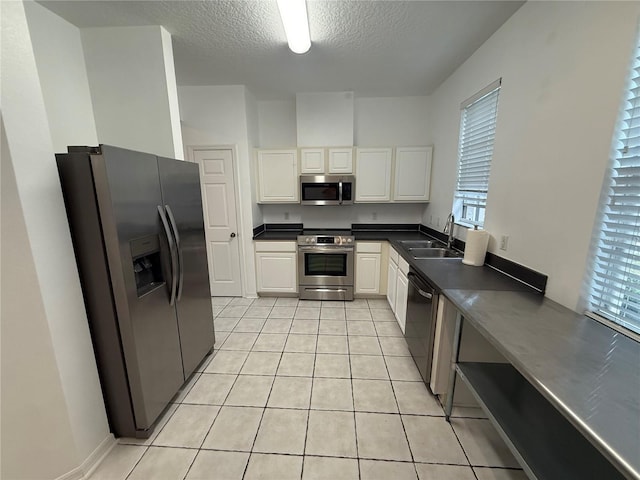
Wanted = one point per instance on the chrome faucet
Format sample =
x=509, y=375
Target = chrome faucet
x=449, y=225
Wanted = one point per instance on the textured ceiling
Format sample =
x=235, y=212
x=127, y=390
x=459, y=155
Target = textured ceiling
x=375, y=48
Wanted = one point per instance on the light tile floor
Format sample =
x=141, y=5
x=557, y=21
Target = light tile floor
x=310, y=390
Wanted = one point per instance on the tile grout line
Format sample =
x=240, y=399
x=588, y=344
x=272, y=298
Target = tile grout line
x=353, y=399
x=306, y=430
x=138, y=462
x=220, y=409
x=169, y=419
x=463, y=450
x=350, y=356
x=147, y=447
x=264, y=409
x=395, y=397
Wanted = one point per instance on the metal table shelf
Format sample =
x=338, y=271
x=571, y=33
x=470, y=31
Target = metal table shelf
x=542, y=440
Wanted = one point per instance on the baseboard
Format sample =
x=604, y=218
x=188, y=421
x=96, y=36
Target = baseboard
x=92, y=461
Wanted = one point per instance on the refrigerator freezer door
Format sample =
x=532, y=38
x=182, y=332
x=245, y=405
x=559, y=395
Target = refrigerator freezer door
x=128, y=193
x=180, y=183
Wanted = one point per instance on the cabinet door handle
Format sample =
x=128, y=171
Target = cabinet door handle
x=233, y=235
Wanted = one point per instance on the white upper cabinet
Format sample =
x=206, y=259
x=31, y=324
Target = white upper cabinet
x=312, y=161
x=277, y=172
x=373, y=175
x=412, y=174
x=341, y=160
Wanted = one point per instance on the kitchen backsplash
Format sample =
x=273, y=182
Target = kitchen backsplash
x=342, y=216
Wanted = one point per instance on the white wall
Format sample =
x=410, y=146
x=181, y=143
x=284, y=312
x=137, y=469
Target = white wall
x=133, y=88
x=63, y=77
x=342, y=216
x=253, y=140
x=383, y=121
x=324, y=119
x=172, y=93
x=378, y=121
x=35, y=417
x=392, y=121
x=214, y=116
x=277, y=123
x=52, y=407
x=563, y=66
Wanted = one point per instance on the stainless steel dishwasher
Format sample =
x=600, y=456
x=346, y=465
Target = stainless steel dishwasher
x=422, y=304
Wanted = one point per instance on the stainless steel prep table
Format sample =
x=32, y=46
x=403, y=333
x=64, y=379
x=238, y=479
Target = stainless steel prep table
x=586, y=371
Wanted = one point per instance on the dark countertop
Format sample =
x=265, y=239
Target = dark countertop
x=290, y=235
x=452, y=273
x=440, y=273
x=392, y=236
x=587, y=370
x=379, y=235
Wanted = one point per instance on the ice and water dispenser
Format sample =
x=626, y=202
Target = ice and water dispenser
x=147, y=264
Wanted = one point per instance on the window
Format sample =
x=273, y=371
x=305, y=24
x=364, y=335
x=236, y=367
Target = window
x=615, y=283
x=475, y=150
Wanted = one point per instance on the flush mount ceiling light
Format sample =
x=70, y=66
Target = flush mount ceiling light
x=296, y=24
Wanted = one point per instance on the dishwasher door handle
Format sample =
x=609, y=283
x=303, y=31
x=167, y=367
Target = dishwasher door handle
x=425, y=294
x=422, y=293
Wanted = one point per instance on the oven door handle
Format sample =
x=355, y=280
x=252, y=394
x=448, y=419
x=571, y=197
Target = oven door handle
x=336, y=249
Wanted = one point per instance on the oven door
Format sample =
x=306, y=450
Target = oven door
x=325, y=266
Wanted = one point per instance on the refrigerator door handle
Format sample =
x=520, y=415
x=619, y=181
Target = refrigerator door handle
x=174, y=227
x=172, y=250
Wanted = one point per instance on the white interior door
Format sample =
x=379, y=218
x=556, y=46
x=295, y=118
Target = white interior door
x=220, y=220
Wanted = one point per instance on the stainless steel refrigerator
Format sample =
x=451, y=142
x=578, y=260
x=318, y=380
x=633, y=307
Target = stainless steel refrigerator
x=138, y=233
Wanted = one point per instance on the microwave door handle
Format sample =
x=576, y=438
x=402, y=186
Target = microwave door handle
x=340, y=192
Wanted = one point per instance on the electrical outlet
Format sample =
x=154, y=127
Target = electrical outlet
x=430, y=219
x=374, y=216
x=286, y=215
x=504, y=242
x=438, y=222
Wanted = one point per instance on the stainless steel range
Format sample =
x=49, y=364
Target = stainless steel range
x=326, y=266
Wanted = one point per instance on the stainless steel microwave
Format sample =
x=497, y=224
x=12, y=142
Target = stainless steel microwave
x=327, y=189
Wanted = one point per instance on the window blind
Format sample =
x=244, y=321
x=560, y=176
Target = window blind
x=475, y=150
x=615, y=288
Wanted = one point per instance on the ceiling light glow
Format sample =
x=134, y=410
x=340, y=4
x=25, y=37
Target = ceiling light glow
x=296, y=24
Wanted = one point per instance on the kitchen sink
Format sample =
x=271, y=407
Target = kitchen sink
x=413, y=244
x=425, y=253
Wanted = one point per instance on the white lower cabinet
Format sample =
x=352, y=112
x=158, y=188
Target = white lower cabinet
x=402, y=290
x=368, y=260
x=392, y=277
x=276, y=267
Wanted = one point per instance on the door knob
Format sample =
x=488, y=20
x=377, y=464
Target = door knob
x=233, y=234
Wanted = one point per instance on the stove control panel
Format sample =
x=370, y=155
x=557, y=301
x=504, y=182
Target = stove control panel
x=325, y=240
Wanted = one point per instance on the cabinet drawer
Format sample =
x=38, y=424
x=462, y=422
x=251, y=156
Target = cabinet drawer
x=368, y=247
x=393, y=255
x=403, y=265
x=275, y=246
